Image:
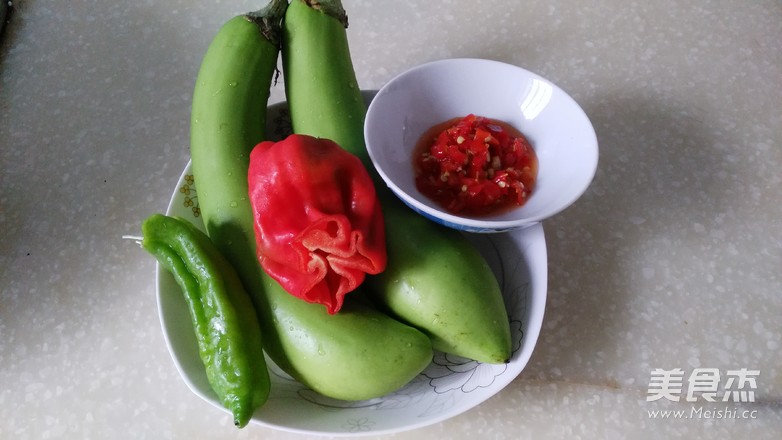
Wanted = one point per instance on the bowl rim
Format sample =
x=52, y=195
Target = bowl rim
x=472, y=222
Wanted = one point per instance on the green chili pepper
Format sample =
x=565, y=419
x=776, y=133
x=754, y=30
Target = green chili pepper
x=226, y=326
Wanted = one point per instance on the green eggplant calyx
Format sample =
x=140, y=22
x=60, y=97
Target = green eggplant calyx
x=269, y=20
x=332, y=8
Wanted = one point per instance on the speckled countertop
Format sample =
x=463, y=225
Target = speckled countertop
x=672, y=260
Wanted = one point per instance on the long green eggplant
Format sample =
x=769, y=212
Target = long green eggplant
x=359, y=353
x=435, y=280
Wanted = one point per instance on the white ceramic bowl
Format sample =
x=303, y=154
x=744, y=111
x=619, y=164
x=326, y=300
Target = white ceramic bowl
x=556, y=126
x=447, y=387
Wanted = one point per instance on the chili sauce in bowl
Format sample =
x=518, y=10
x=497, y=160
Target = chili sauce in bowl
x=559, y=163
x=475, y=166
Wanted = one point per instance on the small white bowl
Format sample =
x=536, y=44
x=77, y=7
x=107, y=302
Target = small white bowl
x=558, y=129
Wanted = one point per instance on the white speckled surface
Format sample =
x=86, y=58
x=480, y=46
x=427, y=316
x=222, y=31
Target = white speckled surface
x=672, y=259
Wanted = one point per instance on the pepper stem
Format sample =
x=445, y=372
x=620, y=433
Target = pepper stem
x=136, y=238
x=332, y=8
x=269, y=20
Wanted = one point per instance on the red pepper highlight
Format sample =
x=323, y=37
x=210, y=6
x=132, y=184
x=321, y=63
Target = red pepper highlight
x=318, y=223
x=475, y=165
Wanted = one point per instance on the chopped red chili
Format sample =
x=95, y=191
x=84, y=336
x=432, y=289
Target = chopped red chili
x=318, y=222
x=475, y=166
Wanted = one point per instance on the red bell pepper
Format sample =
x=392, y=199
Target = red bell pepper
x=318, y=223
